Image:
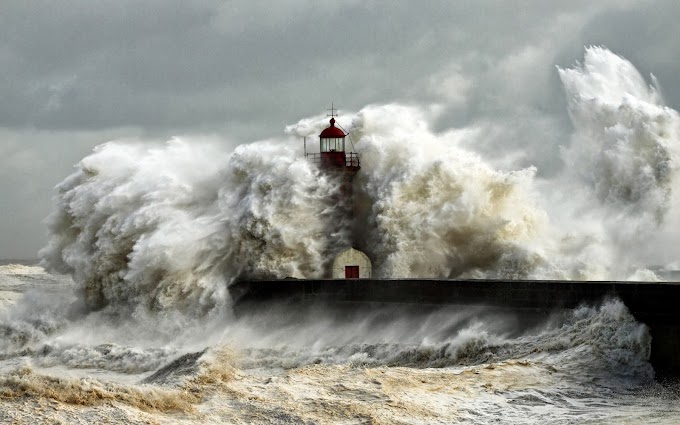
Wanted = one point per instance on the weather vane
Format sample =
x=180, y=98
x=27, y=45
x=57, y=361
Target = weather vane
x=334, y=111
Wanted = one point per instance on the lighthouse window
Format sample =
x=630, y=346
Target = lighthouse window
x=333, y=144
x=336, y=144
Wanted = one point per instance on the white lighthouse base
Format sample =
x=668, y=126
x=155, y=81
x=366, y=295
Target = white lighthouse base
x=352, y=264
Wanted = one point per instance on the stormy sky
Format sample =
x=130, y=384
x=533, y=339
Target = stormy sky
x=76, y=74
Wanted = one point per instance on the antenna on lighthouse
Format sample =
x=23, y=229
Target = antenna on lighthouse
x=334, y=111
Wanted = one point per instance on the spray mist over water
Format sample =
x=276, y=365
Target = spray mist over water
x=590, y=339
x=438, y=210
x=625, y=147
x=167, y=227
x=623, y=158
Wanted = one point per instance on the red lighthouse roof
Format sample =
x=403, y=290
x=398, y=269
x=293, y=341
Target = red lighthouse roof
x=332, y=131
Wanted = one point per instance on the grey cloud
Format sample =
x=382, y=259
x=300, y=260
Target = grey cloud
x=108, y=64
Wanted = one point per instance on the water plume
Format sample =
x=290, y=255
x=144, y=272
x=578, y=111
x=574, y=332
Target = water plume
x=166, y=227
x=439, y=210
x=625, y=141
x=624, y=154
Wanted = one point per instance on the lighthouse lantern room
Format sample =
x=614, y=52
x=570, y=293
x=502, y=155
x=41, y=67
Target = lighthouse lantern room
x=332, y=155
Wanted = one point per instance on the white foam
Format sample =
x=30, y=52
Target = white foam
x=167, y=227
x=21, y=269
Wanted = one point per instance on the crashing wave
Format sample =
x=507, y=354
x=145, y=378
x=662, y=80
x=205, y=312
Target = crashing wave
x=167, y=227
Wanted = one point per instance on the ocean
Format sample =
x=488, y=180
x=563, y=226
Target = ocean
x=302, y=366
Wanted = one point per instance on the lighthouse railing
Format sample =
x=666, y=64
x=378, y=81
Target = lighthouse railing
x=351, y=159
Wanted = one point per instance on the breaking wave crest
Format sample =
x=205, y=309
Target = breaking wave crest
x=437, y=209
x=88, y=392
x=602, y=344
x=212, y=371
x=13, y=269
x=167, y=227
x=622, y=162
x=626, y=142
x=603, y=340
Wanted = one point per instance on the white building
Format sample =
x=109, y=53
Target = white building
x=352, y=264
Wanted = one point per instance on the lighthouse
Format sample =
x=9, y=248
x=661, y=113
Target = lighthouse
x=332, y=154
x=335, y=158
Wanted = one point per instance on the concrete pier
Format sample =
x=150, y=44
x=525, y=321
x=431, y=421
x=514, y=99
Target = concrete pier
x=652, y=303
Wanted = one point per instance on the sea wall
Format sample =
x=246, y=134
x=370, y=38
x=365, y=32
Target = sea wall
x=655, y=304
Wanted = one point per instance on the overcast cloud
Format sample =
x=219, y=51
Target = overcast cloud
x=75, y=74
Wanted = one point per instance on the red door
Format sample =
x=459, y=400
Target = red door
x=351, y=272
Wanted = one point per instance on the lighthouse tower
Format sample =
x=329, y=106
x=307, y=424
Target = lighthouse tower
x=333, y=158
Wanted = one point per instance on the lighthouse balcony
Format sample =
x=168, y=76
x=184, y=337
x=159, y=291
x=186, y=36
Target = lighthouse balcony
x=348, y=160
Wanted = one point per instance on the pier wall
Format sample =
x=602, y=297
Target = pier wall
x=652, y=303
